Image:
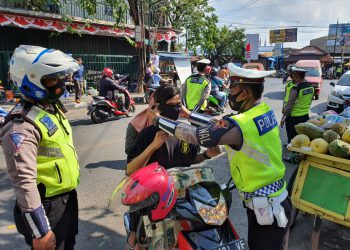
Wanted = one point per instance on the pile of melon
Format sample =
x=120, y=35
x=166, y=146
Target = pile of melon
x=334, y=140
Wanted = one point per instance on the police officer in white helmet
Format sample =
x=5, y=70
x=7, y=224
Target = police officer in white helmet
x=39, y=152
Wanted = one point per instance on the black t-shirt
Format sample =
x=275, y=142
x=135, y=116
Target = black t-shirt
x=173, y=153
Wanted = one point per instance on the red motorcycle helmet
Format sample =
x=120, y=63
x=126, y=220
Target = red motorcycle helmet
x=150, y=187
x=107, y=72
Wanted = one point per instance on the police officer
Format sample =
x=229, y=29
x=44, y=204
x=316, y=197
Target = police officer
x=255, y=154
x=289, y=85
x=298, y=103
x=196, y=89
x=39, y=152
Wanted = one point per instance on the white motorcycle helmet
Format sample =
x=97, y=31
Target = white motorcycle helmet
x=29, y=65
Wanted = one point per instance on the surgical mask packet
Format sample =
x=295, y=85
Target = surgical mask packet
x=263, y=211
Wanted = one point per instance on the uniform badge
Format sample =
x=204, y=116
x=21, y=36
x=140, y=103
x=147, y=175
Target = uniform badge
x=185, y=148
x=17, y=140
x=49, y=124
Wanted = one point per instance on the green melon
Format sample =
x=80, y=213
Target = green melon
x=340, y=149
x=309, y=129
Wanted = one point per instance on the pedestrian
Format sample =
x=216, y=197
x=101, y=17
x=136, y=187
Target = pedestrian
x=254, y=150
x=149, y=73
x=154, y=145
x=39, y=152
x=223, y=73
x=298, y=106
x=196, y=89
x=78, y=80
x=289, y=85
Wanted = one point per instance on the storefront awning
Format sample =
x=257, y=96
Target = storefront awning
x=26, y=22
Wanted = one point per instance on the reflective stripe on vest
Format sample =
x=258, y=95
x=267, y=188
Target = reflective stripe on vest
x=57, y=161
x=289, y=85
x=195, y=87
x=259, y=162
x=303, y=102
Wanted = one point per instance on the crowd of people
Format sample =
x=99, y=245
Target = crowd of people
x=44, y=169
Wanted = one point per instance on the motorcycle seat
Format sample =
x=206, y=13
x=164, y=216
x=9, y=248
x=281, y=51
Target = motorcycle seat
x=99, y=97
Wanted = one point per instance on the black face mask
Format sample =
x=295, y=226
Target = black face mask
x=232, y=101
x=56, y=91
x=170, y=111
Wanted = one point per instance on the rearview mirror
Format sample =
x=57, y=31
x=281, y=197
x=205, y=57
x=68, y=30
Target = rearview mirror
x=332, y=84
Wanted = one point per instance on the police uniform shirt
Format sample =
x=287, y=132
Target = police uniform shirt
x=173, y=153
x=20, y=142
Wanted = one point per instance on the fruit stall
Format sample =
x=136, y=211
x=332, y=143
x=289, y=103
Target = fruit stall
x=322, y=184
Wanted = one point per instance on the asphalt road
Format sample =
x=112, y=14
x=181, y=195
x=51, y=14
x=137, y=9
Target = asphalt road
x=102, y=159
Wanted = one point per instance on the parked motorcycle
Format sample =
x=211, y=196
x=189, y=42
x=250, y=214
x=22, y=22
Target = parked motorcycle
x=123, y=80
x=178, y=209
x=2, y=94
x=100, y=109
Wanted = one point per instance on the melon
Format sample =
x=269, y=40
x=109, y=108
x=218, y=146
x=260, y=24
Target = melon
x=300, y=141
x=309, y=129
x=346, y=136
x=340, y=149
x=319, y=145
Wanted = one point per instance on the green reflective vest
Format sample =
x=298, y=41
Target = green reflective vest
x=303, y=102
x=289, y=85
x=259, y=161
x=195, y=87
x=57, y=161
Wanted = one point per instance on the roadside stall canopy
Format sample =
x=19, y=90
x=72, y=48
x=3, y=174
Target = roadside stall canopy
x=182, y=63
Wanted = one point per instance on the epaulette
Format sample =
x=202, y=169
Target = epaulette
x=18, y=113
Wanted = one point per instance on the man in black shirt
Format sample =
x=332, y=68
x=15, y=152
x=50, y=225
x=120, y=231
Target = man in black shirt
x=155, y=145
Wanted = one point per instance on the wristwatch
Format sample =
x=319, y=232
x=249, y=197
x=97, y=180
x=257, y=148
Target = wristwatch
x=206, y=156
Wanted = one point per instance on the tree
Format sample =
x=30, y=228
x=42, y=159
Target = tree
x=190, y=17
x=224, y=44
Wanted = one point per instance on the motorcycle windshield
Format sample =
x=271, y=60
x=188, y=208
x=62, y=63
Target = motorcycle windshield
x=130, y=195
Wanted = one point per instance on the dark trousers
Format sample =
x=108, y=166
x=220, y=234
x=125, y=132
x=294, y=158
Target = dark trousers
x=77, y=90
x=62, y=213
x=291, y=122
x=269, y=237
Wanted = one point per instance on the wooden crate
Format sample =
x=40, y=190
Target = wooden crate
x=322, y=186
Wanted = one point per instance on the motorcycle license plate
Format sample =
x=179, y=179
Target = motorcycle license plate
x=235, y=245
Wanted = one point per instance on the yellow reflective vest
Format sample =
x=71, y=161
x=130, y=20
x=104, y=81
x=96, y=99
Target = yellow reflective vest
x=57, y=161
x=259, y=161
x=303, y=102
x=195, y=86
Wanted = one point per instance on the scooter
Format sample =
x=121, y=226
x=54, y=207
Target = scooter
x=198, y=220
x=100, y=109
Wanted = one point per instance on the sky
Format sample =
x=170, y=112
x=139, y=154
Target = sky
x=312, y=17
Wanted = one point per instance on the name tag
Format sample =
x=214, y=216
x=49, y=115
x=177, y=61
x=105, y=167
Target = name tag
x=266, y=122
x=197, y=80
x=308, y=91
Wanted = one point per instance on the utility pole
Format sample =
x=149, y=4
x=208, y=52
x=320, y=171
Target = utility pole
x=335, y=39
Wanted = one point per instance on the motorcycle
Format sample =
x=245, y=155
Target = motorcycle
x=2, y=94
x=213, y=108
x=198, y=218
x=123, y=80
x=100, y=109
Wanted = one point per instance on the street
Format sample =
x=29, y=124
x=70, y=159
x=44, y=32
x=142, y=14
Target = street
x=100, y=148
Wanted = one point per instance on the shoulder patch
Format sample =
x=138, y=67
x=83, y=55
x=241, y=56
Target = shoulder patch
x=49, y=124
x=17, y=140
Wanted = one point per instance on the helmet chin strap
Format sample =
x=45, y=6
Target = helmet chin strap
x=243, y=106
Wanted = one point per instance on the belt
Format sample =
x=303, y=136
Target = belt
x=272, y=200
x=264, y=191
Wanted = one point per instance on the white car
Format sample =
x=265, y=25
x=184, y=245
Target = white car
x=340, y=92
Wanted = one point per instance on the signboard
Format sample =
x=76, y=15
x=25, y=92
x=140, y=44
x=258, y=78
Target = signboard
x=342, y=33
x=155, y=60
x=252, y=46
x=284, y=35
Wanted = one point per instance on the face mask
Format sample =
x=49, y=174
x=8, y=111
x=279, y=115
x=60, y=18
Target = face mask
x=56, y=91
x=232, y=100
x=171, y=111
